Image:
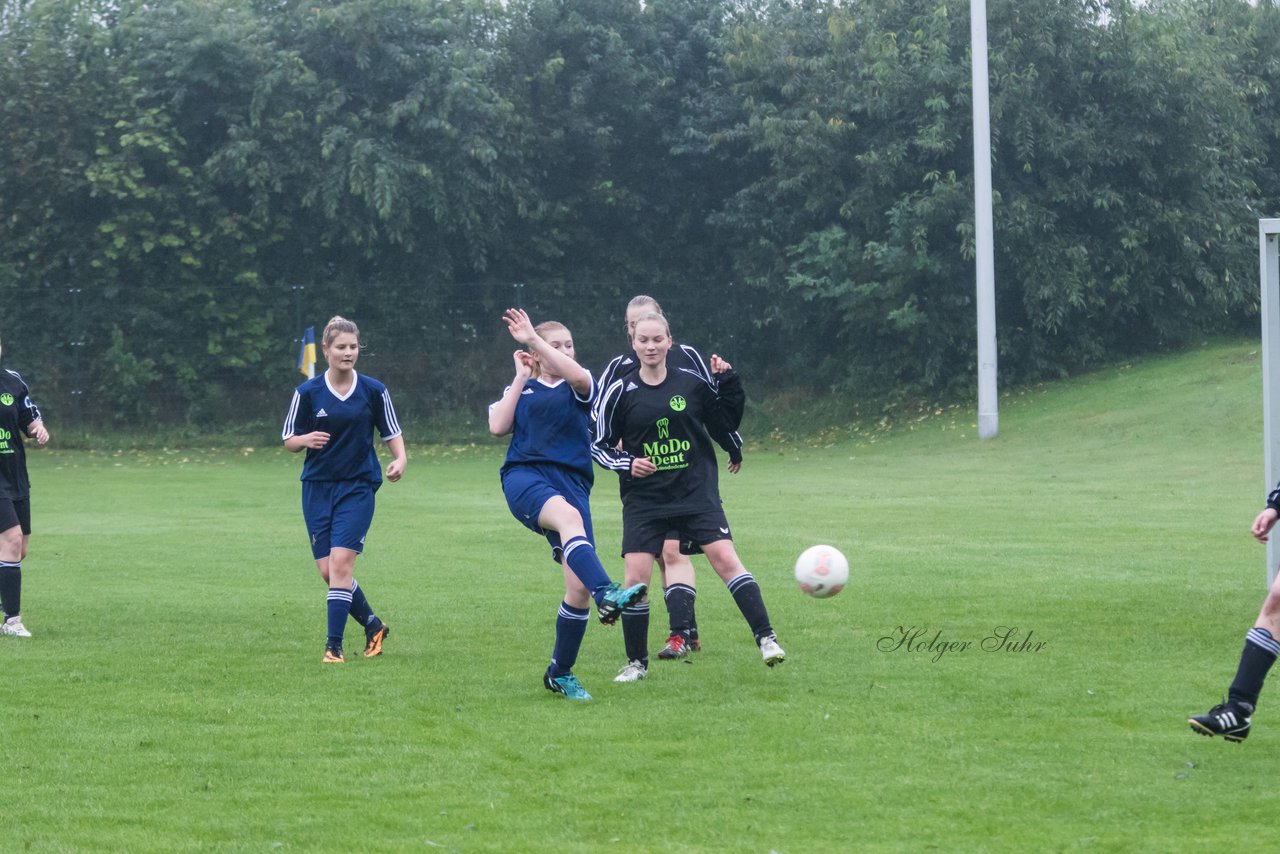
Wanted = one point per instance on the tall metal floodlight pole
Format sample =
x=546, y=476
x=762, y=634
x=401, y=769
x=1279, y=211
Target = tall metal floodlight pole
x=988, y=416
x=1269, y=270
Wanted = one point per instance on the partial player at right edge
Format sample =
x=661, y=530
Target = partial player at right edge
x=1232, y=718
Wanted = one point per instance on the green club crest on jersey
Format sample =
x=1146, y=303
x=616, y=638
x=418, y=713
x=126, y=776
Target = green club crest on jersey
x=6, y=399
x=678, y=404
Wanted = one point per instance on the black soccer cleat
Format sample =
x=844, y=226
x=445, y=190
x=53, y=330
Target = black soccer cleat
x=1230, y=720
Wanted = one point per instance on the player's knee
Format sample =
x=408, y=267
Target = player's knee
x=637, y=575
x=11, y=543
x=1271, y=605
x=725, y=562
x=567, y=521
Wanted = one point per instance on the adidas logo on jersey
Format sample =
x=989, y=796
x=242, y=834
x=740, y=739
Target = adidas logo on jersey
x=632, y=386
x=526, y=391
x=322, y=414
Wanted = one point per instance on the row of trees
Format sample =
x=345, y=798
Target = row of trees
x=792, y=177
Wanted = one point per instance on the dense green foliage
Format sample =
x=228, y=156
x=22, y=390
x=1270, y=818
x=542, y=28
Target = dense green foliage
x=183, y=185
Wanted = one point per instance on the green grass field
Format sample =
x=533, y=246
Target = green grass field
x=173, y=699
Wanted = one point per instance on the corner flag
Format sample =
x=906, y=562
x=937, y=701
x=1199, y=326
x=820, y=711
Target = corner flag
x=307, y=355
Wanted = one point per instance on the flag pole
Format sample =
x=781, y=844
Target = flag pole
x=988, y=414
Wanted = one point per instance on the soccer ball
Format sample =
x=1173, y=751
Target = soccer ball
x=822, y=571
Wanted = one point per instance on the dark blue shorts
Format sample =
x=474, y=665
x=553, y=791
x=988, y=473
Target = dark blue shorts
x=15, y=511
x=693, y=530
x=529, y=486
x=338, y=514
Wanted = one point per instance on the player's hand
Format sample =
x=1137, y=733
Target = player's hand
x=642, y=467
x=519, y=325
x=395, y=469
x=524, y=364
x=719, y=366
x=317, y=439
x=38, y=432
x=734, y=468
x=1262, y=526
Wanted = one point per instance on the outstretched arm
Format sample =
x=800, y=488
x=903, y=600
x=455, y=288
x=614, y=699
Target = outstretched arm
x=521, y=329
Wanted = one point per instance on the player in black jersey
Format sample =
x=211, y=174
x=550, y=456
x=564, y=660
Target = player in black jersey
x=679, y=587
x=655, y=429
x=18, y=417
x=1233, y=717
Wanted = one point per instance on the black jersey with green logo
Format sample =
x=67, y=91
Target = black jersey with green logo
x=669, y=424
x=17, y=413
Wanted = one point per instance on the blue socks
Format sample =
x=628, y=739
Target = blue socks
x=571, y=626
x=339, y=603
x=580, y=557
x=361, y=611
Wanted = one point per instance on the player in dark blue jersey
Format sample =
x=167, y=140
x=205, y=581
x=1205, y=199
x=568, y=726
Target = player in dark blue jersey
x=333, y=417
x=655, y=429
x=679, y=587
x=18, y=417
x=547, y=477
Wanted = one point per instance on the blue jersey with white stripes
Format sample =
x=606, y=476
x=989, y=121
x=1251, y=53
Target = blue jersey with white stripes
x=552, y=425
x=349, y=420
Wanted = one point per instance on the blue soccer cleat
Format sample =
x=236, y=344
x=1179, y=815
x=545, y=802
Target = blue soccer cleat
x=567, y=684
x=615, y=598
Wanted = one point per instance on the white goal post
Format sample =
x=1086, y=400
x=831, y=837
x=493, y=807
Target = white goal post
x=1269, y=269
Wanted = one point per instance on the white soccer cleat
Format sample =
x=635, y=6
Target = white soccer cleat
x=13, y=626
x=773, y=654
x=633, y=672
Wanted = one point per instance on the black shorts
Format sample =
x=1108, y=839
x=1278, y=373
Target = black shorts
x=687, y=547
x=693, y=531
x=15, y=511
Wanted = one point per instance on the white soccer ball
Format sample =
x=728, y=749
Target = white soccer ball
x=822, y=571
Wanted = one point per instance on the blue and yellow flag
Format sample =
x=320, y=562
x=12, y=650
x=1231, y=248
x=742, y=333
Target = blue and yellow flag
x=307, y=355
